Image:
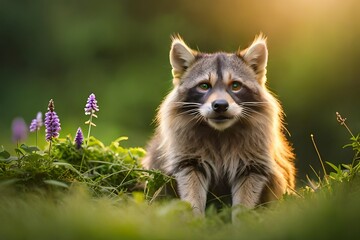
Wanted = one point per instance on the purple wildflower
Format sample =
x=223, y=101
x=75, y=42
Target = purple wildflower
x=52, y=122
x=91, y=105
x=79, y=138
x=19, y=130
x=36, y=123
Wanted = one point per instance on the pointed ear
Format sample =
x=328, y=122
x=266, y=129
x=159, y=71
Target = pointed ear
x=256, y=57
x=181, y=56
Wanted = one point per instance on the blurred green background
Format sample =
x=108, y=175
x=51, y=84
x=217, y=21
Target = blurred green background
x=66, y=50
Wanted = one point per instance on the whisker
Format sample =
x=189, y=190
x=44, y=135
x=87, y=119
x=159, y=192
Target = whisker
x=194, y=115
x=187, y=103
x=248, y=113
x=254, y=104
x=188, y=112
x=250, y=110
x=257, y=112
x=200, y=119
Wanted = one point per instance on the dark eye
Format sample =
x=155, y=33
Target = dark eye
x=204, y=86
x=236, y=86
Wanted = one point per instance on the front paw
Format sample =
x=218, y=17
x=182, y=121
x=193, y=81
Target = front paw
x=198, y=212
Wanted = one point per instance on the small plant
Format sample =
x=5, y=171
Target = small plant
x=313, y=186
x=52, y=124
x=79, y=138
x=342, y=172
x=346, y=172
x=355, y=140
x=19, y=131
x=35, y=126
x=90, y=108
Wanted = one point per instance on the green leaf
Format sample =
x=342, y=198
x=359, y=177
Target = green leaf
x=69, y=166
x=4, y=154
x=120, y=139
x=93, y=142
x=28, y=149
x=115, y=145
x=346, y=166
x=56, y=183
x=334, y=176
x=137, y=152
x=20, y=151
x=347, y=145
x=355, y=139
x=333, y=166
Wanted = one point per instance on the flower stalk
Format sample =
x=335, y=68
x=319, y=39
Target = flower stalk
x=19, y=130
x=342, y=121
x=52, y=124
x=35, y=126
x=91, y=108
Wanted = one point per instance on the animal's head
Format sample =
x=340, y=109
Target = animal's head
x=219, y=88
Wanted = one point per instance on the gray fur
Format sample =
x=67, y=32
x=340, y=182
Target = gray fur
x=248, y=152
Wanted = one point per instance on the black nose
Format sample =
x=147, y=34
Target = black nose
x=220, y=105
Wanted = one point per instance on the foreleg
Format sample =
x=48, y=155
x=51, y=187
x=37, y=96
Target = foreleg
x=193, y=182
x=247, y=188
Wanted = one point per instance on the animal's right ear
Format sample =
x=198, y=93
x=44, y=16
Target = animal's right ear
x=181, y=57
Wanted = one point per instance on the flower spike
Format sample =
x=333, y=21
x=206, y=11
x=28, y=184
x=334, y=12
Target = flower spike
x=19, y=130
x=91, y=105
x=52, y=122
x=79, y=138
x=36, y=123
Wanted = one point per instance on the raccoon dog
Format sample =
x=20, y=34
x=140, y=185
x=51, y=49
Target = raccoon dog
x=220, y=127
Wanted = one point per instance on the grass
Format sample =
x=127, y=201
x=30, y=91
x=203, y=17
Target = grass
x=78, y=215
x=101, y=192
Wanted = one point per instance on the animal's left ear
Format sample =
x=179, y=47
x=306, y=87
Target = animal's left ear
x=256, y=57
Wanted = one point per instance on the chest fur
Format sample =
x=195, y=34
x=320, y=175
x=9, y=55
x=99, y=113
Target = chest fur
x=220, y=156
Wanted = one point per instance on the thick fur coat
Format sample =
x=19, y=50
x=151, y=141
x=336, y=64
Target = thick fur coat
x=220, y=128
